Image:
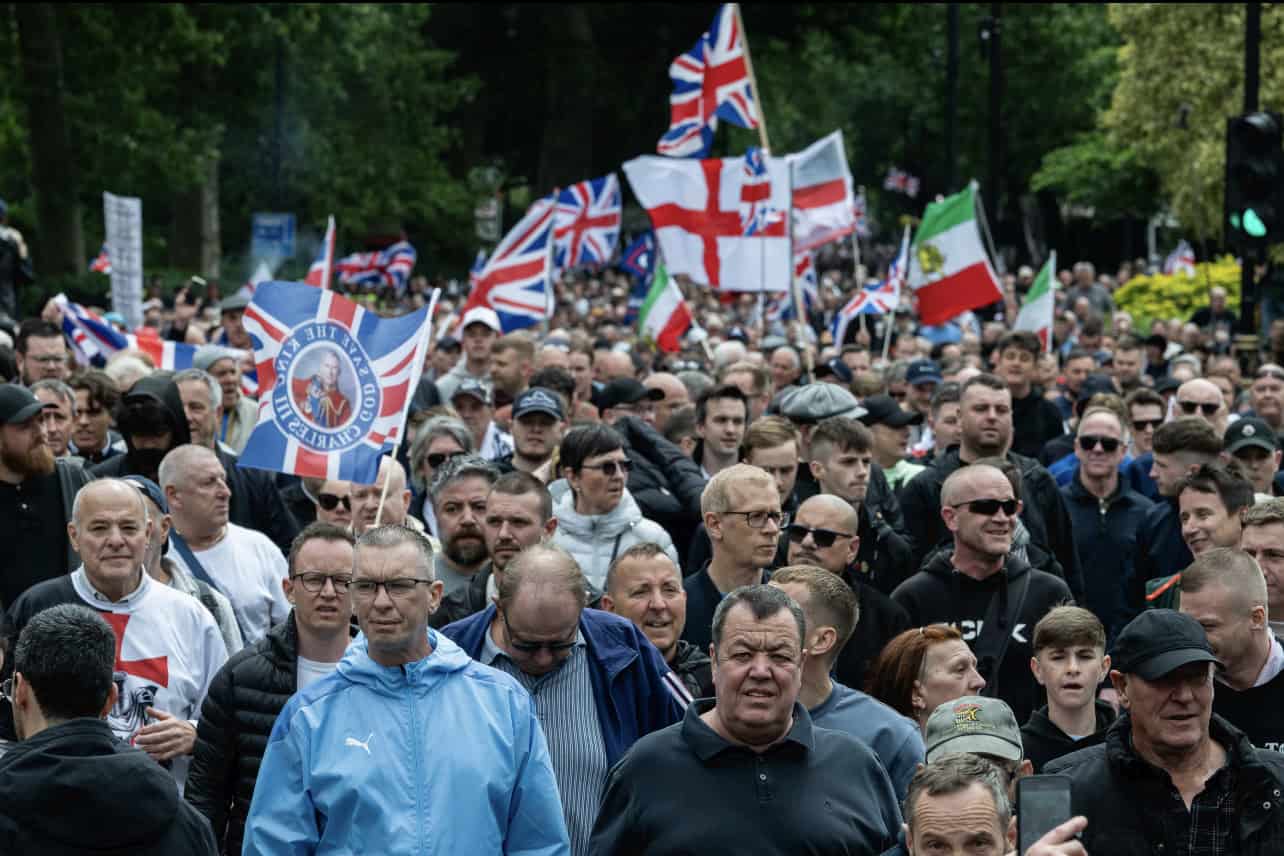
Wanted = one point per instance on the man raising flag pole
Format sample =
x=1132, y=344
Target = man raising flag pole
x=1037, y=310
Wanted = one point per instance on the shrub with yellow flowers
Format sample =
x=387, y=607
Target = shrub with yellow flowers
x=1178, y=295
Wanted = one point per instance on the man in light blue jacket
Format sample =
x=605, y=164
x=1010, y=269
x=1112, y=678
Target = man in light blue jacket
x=410, y=746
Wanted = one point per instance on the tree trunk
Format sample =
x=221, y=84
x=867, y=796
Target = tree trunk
x=59, y=248
x=570, y=79
x=194, y=235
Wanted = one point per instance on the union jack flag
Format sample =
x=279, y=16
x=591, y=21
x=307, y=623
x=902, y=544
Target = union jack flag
x=586, y=225
x=516, y=280
x=93, y=340
x=101, y=263
x=781, y=306
x=710, y=82
x=336, y=381
x=323, y=267
x=901, y=182
x=757, y=215
x=390, y=266
x=877, y=297
x=639, y=257
x=861, y=213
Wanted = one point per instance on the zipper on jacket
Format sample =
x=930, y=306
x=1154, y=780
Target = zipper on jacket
x=417, y=785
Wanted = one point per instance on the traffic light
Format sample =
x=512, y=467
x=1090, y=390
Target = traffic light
x=1254, y=181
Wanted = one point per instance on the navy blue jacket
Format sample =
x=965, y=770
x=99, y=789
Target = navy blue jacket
x=1138, y=475
x=1105, y=535
x=628, y=674
x=1161, y=551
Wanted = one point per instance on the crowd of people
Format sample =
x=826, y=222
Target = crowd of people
x=772, y=593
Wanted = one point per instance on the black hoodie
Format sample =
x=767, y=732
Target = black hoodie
x=74, y=789
x=157, y=389
x=939, y=594
x=1044, y=741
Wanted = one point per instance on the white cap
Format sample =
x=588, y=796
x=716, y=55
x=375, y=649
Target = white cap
x=482, y=315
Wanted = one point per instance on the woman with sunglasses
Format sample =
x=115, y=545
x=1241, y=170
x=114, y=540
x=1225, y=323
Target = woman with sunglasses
x=597, y=518
x=439, y=439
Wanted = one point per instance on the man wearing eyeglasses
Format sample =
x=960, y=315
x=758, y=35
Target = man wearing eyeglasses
x=597, y=684
x=40, y=351
x=824, y=533
x=253, y=686
x=742, y=515
x=1106, y=514
x=361, y=738
x=993, y=597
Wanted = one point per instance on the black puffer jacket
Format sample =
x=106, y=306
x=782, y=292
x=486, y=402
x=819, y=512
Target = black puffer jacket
x=665, y=483
x=236, y=719
x=1123, y=795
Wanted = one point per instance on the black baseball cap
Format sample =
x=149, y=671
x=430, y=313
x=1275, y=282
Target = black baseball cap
x=537, y=399
x=17, y=404
x=626, y=390
x=1158, y=641
x=883, y=410
x=835, y=367
x=1250, y=431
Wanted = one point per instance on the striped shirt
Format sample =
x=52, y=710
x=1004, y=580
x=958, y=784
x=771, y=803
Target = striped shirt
x=567, y=712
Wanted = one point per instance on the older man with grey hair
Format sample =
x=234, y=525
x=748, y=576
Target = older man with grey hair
x=752, y=743
x=598, y=684
x=240, y=412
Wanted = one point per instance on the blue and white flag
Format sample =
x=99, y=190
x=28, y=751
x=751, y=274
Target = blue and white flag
x=335, y=381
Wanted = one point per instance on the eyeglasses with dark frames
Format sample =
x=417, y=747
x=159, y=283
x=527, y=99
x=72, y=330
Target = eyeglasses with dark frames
x=1189, y=407
x=1143, y=424
x=1088, y=442
x=824, y=538
x=330, y=501
x=396, y=587
x=758, y=519
x=989, y=507
x=436, y=459
x=314, y=581
x=529, y=649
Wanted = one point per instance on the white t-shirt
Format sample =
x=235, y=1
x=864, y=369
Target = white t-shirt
x=169, y=650
x=311, y=671
x=248, y=568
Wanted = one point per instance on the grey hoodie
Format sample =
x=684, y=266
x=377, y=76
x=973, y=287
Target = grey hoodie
x=595, y=540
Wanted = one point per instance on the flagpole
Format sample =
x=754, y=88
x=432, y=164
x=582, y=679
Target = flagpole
x=753, y=81
x=856, y=274
x=985, y=228
x=1052, y=292
x=795, y=290
x=330, y=239
x=396, y=446
x=552, y=239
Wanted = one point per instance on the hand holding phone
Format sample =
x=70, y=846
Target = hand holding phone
x=1043, y=804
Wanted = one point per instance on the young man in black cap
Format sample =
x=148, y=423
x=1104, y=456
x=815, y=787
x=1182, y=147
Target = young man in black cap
x=627, y=397
x=1172, y=772
x=890, y=427
x=538, y=425
x=1255, y=447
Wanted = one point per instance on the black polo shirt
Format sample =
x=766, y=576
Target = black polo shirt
x=682, y=788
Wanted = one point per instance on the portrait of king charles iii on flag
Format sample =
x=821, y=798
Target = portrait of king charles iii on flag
x=319, y=398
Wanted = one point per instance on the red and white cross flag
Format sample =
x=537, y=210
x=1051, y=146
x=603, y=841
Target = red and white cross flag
x=719, y=221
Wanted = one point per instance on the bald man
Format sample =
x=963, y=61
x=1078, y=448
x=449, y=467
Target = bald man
x=365, y=500
x=553, y=356
x=825, y=532
x=957, y=584
x=675, y=397
x=1201, y=398
x=613, y=364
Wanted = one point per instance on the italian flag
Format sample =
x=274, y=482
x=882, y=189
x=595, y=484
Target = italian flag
x=949, y=270
x=1036, y=312
x=664, y=316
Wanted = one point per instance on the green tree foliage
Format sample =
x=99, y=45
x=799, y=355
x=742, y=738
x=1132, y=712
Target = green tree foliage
x=1181, y=71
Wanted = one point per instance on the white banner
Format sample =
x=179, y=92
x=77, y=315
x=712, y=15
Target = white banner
x=123, y=216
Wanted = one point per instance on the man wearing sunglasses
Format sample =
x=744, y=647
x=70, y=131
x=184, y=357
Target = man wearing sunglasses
x=1107, y=515
x=824, y=533
x=253, y=686
x=596, y=682
x=362, y=737
x=1202, y=399
x=334, y=503
x=992, y=596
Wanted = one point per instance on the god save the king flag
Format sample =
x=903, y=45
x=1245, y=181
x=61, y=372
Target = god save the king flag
x=335, y=381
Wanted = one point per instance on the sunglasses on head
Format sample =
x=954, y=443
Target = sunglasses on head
x=1275, y=373
x=1088, y=442
x=1143, y=424
x=824, y=538
x=990, y=507
x=609, y=468
x=436, y=459
x=1189, y=407
x=329, y=501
